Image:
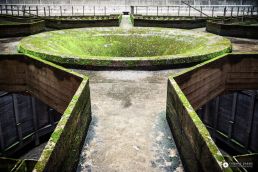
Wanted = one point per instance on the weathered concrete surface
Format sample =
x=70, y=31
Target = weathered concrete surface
x=194, y=88
x=129, y=131
x=176, y=22
x=126, y=22
x=237, y=27
x=239, y=44
x=80, y=22
x=66, y=92
x=13, y=26
x=9, y=45
x=244, y=44
x=129, y=127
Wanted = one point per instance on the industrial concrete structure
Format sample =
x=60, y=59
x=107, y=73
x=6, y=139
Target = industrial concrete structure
x=131, y=85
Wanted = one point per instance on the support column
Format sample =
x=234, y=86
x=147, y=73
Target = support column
x=17, y=120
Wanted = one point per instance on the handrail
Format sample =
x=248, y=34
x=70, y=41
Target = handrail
x=195, y=9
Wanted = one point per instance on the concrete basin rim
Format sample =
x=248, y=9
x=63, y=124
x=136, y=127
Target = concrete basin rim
x=22, y=47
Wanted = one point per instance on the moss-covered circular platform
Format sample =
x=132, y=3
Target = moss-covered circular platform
x=115, y=47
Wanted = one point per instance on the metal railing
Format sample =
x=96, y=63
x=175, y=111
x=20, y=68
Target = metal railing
x=59, y=10
x=80, y=10
x=196, y=10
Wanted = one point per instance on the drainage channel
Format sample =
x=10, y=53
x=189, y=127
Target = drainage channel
x=126, y=22
x=129, y=131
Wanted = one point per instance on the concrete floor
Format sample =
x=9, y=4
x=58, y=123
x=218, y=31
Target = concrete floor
x=9, y=45
x=239, y=44
x=129, y=131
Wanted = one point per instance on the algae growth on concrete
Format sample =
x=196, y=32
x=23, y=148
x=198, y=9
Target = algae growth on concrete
x=124, y=47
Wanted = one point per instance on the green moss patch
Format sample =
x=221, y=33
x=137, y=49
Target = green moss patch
x=118, y=47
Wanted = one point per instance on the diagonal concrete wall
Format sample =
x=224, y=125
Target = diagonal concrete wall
x=192, y=89
x=65, y=91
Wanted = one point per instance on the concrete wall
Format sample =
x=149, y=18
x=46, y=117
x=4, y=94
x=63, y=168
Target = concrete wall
x=192, y=89
x=49, y=84
x=231, y=28
x=22, y=26
x=66, y=92
x=183, y=23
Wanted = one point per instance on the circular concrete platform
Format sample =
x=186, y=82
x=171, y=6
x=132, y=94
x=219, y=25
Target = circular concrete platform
x=124, y=48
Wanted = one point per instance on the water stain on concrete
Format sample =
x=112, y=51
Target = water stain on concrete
x=9, y=45
x=132, y=133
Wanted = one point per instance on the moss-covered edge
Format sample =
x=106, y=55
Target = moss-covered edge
x=49, y=148
x=199, y=125
x=132, y=18
x=42, y=162
x=22, y=22
x=195, y=118
x=83, y=18
x=208, y=61
x=127, y=63
x=220, y=27
x=22, y=28
x=119, y=19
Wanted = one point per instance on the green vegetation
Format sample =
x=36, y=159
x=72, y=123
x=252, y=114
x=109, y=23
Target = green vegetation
x=132, y=18
x=103, y=46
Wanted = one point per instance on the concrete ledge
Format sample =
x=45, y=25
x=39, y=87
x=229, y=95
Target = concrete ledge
x=19, y=26
x=193, y=88
x=65, y=91
x=230, y=28
x=65, y=22
x=169, y=21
